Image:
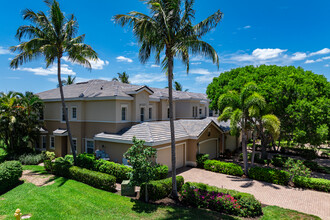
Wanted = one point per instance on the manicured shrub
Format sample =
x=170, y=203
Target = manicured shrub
x=31, y=159
x=48, y=164
x=223, y=167
x=308, y=154
x=279, y=160
x=221, y=200
x=161, y=172
x=86, y=161
x=280, y=177
x=48, y=155
x=311, y=165
x=61, y=167
x=312, y=183
x=96, y=179
x=159, y=189
x=10, y=172
x=200, y=160
x=3, y=155
x=115, y=169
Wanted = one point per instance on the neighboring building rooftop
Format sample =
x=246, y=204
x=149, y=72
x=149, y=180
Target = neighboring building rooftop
x=159, y=132
x=94, y=89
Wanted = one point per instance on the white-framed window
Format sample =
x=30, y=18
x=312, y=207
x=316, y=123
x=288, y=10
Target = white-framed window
x=43, y=141
x=62, y=115
x=200, y=111
x=89, y=146
x=194, y=111
x=150, y=113
x=52, y=142
x=74, y=141
x=74, y=113
x=142, y=114
x=123, y=113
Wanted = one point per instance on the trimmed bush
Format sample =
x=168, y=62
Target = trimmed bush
x=312, y=183
x=221, y=200
x=86, y=161
x=96, y=179
x=200, y=160
x=280, y=177
x=31, y=159
x=48, y=155
x=48, y=165
x=159, y=189
x=279, y=160
x=223, y=167
x=61, y=167
x=10, y=172
x=3, y=155
x=161, y=172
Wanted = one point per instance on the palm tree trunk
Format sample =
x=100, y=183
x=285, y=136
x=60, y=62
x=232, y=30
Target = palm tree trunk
x=64, y=109
x=170, y=98
x=244, y=149
x=253, y=148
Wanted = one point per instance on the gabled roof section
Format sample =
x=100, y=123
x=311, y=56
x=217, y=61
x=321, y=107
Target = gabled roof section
x=103, y=89
x=156, y=133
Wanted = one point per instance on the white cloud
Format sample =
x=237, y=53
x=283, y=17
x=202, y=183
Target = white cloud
x=326, y=65
x=144, y=78
x=200, y=71
x=154, y=66
x=52, y=70
x=323, y=51
x=310, y=61
x=247, y=27
x=196, y=63
x=318, y=60
x=124, y=59
x=132, y=44
x=4, y=51
x=298, y=56
x=96, y=64
x=265, y=54
x=326, y=58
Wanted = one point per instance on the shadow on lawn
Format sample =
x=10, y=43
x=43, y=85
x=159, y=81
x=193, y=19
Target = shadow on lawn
x=141, y=207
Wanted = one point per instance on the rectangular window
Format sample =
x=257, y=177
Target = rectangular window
x=193, y=111
x=200, y=111
x=74, y=113
x=123, y=113
x=43, y=141
x=150, y=113
x=52, y=142
x=142, y=114
x=74, y=140
x=63, y=117
x=89, y=146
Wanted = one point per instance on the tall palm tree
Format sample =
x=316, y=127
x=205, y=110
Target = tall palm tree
x=178, y=87
x=169, y=30
x=52, y=36
x=69, y=81
x=245, y=113
x=123, y=77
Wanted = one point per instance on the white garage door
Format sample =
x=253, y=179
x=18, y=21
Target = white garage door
x=164, y=156
x=209, y=147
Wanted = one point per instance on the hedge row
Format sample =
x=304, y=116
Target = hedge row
x=221, y=200
x=120, y=171
x=3, y=155
x=10, y=172
x=96, y=179
x=312, y=183
x=223, y=167
x=159, y=189
x=280, y=177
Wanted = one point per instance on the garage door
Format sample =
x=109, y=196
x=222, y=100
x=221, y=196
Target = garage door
x=164, y=156
x=209, y=147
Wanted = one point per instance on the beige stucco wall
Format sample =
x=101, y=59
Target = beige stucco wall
x=100, y=111
x=141, y=100
x=115, y=150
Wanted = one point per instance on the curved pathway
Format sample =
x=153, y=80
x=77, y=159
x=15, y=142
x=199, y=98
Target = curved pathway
x=306, y=201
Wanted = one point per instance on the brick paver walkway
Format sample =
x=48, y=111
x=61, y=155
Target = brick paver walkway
x=306, y=201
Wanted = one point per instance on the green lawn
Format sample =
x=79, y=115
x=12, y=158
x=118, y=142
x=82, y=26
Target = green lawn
x=69, y=199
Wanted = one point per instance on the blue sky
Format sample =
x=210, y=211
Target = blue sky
x=251, y=32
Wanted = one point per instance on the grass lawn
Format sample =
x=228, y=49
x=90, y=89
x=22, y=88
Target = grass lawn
x=69, y=199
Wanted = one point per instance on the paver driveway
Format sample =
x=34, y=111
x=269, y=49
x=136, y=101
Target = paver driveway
x=307, y=201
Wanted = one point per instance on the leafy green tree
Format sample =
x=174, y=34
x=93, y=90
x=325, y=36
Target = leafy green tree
x=20, y=120
x=299, y=98
x=69, y=81
x=296, y=168
x=52, y=37
x=140, y=157
x=169, y=30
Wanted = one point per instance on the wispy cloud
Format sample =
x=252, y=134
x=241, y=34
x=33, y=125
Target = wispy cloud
x=200, y=71
x=299, y=56
x=132, y=44
x=247, y=27
x=144, y=78
x=13, y=77
x=258, y=55
x=96, y=64
x=65, y=70
x=4, y=51
x=124, y=59
x=154, y=66
x=318, y=60
x=196, y=63
x=320, y=52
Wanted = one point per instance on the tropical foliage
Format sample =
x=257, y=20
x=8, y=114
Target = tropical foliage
x=246, y=112
x=69, y=81
x=169, y=31
x=122, y=77
x=52, y=36
x=20, y=120
x=299, y=98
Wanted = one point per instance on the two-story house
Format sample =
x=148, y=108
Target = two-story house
x=106, y=115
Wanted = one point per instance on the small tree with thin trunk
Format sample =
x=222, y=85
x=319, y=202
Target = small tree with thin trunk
x=140, y=157
x=52, y=36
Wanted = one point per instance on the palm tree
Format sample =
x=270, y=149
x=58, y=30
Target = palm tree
x=178, y=87
x=122, y=77
x=169, y=30
x=52, y=36
x=69, y=81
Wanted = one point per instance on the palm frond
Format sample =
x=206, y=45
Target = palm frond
x=208, y=24
x=272, y=124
